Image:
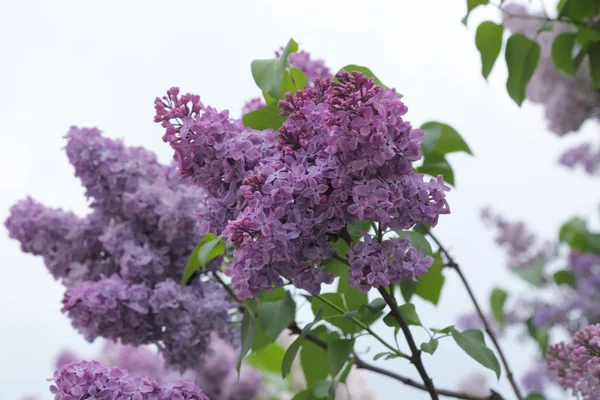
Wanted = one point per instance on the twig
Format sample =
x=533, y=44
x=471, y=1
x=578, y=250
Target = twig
x=452, y=264
x=415, y=357
x=294, y=328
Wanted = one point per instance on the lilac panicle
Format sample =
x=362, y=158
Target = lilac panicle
x=120, y=262
x=582, y=155
x=378, y=265
x=217, y=375
x=577, y=364
x=344, y=153
x=179, y=319
x=90, y=380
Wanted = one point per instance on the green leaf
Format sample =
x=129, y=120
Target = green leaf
x=268, y=74
x=293, y=80
x=430, y=347
x=578, y=9
x=442, y=139
x=355, y=231
x=268, y=358
x=522, y=56
x=380, y=355
x=576, y=234
x=471, y=5
x=587, y=36
x=565, y=277
x=562, y=53
x=346, y=371
x=444, y=331
x=338, y=353
x=409, y=314
x=261, y=339
x=314, y=363
x=535, y=396
x=369, y=313
x=594, y=57
x=292, y=350
x=436, y=164
x=497, y=299
x=473, y=343
x=275, y=316
x=368, y=73
x=533, y=274
x=488, y=40
x=205, y=251
x=418, y=240
x=321, y=389
x=540, y=335
x=248, y=332
x=264, y=118
x=429, y=287
x=305, y=395
x=407, y=288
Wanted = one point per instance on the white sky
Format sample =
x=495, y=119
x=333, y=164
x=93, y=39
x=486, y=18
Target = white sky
x=101, y=63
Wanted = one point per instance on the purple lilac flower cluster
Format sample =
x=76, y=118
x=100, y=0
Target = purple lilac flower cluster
x=523, y=248
x=582, y=155
x=217, y=376
x=89, y=379
x=577, y=364
x=344, y=153
x=120, y=262
x=374, y=264
x=569, y=101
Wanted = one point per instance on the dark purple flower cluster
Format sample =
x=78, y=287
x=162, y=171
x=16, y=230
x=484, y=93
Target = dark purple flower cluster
x=122, y=260
x=90, y=380
x=344, y=153
x=180, y=320
x=577, y=364
x=374, y=264
x=217, y=376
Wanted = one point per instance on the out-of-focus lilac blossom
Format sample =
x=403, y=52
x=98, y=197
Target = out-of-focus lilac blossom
x=582, y=155
x=569, y=101
x=539, y=378
x=475, y=384
x=523, y=248
x=253, y=105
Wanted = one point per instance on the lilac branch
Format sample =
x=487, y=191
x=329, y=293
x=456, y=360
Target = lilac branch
x=452, y=264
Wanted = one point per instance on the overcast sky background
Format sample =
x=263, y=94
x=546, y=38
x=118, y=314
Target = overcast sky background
x=101, y=63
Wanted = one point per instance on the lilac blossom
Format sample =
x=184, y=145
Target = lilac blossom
x=179, y=319
x=569, y=101
x=121, y=262
x=378, y=265
x=582, y=155
x=344, y=153
x=577, y=364
x=253, y=105
x=217, y=375
x=90, y=380
x=523, y=247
